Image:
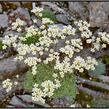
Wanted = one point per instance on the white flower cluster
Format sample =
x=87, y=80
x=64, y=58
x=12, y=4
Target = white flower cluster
x=32, y=31
x=38, y=94
x=46, y=21
x=64, y=66
x=69, y=30
x=34, y=70
x=50, y=35
x=48, y=87
x=75, y=45
x=51, y=57
x=80, y=64
x=101, y=41
x=37, y=11
x=90, y=63
x=83, y=25
x=45, y=41
x=56, y=32
x=23, y=49
x=31, y=61
x=18, y=24
x=9, y=40
x=7, y=84
x=84, y=28
x=68, y=50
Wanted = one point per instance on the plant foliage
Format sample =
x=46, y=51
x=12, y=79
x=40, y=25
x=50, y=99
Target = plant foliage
x=44, y=72
x=48, y=14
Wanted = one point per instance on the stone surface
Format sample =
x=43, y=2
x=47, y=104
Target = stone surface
x=62, y=102
x=76, y=7
x=3, y=20
x=17, y=102
x=9, y=67
x=23, y=11
x=98, y=13
x=62, y=18
x=28, y=99
x=38, y=23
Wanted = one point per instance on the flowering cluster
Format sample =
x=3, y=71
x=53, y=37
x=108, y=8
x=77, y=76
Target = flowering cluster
x=44, y=50
x=9, y=40
x=18, y=24
x=46, y=21
x=75, y=45
x=7, y=84
x=52, y=56
x=47, y=89
x=32, y=31
x=37, y=11
x=101, y=41
x=80, y=64
x=63, y=67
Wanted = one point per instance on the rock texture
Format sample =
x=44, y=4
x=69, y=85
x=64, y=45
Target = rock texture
x=62, y=18
x=77, y=8
x=9, y=67
x=98, y=13
x=3, y=20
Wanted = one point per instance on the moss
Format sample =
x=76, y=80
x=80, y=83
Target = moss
x=68, y=87
x=105, y=59
x=48, y=14
x=31, y=40
x=1, y=45
x=44, y=72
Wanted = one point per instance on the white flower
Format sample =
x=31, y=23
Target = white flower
x=79, y=63
x=46, y=21
x=103, y=45
x=7, y=84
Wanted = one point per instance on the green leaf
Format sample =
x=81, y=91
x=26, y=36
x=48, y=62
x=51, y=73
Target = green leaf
x=31, y=40
x=1, y=45
x=48, y=14
x=68, y=87
x=106, y=59
x=99, y=69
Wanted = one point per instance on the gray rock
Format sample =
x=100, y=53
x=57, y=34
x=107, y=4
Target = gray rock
x=77, y=7
x=10, y=67
x=28, y=99
x=3, y=20
x=98, y=13
x=23, y=11
x=58, y=25
x=62, y=102
x=17, y=102
x=39, y=23
x=10, y=32
x=62, y=18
